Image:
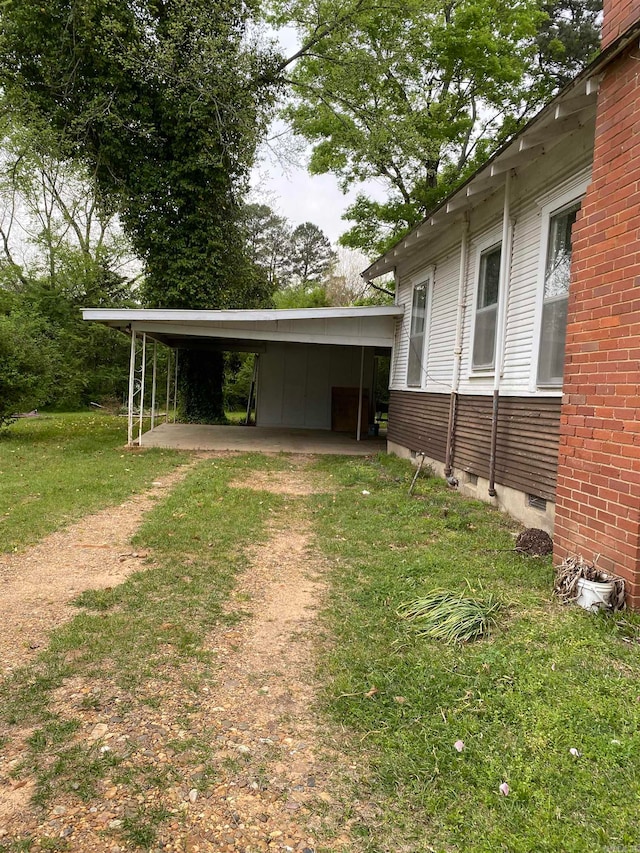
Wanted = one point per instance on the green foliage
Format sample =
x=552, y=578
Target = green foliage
x=301, y=296
x=568, y=39
x=311, y=255
x=267, y=238
x=59, y=254
x=201, y=376
x=238, y=376
x=165, y=103
x=414, y=94
x=26, y=363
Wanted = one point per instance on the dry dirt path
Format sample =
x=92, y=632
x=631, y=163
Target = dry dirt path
x=37, y=584
x=241, y=765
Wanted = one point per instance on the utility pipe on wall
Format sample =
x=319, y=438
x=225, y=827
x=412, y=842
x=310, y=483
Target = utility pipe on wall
x=457, y=350
x=503, y=299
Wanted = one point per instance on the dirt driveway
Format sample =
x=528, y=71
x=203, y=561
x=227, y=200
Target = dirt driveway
x=272, y=782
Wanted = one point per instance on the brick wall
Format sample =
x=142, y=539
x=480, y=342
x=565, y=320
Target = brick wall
x=598, y=494
x=619, y=15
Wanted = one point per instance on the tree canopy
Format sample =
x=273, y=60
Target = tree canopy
x=164, y=102
x=416, y=93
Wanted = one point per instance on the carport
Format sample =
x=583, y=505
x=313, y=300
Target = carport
x=314, y=372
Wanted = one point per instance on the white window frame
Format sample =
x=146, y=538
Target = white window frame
x=487, y=245
x=551, y=208
x=423, y=279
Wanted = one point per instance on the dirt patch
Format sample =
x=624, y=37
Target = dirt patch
x=235, y=755
x=37, y=584
x=287, y=482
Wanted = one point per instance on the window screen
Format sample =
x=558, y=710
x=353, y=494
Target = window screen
x=484, y=339
x=556, y=293
x=416, y=338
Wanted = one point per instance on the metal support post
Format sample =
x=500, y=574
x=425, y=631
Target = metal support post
x=175, y=390
x=359, y=434
x=142, y=378
x=153, y=385
x=168, y=398
x=132, y=376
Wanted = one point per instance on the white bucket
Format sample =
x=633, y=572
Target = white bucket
x=594, y=595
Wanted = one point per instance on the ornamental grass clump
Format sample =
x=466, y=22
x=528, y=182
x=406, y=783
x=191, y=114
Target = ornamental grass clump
x=451, y=616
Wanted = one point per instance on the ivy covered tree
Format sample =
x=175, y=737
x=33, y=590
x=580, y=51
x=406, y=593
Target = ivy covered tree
x=164, y=102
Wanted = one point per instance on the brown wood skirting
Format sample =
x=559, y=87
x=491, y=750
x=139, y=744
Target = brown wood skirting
x=527, y=445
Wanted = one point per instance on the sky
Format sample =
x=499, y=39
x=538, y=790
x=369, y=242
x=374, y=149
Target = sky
x=288, y=188
x=292, y=192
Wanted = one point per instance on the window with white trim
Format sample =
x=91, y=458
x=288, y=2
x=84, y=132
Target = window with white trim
x=417, y=334
x=553, y=330
x=486, y=318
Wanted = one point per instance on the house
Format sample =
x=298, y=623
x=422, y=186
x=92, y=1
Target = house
x=516, y=363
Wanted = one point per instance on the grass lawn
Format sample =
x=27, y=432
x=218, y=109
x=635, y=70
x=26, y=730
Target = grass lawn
x=57, y=468
x=143, y=639
x=548, y=680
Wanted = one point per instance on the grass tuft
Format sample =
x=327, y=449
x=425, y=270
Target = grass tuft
x=450, y=616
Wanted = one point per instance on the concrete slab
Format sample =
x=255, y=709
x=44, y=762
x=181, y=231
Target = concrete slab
x=259, y=439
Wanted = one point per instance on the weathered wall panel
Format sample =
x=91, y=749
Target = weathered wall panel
x=527, y=439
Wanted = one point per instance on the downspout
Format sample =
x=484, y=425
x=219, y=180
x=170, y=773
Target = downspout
x=457, y=350
x=503, y=290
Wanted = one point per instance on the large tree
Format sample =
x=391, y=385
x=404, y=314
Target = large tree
x=310, y=254
x=415, y=93
x=164, y=101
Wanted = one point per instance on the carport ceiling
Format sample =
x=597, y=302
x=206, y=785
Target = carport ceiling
x=371, y=326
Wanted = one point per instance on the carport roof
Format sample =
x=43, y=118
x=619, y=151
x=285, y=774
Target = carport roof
x=371, y=326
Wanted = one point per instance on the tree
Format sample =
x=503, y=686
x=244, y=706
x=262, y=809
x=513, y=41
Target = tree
x=26, y=359
x=311, y=255
x=267, y=238
x=416, y=93
x=164, y=102
x=58, y=252
x=568, y=39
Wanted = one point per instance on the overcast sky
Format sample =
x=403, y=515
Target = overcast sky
x=281, y=180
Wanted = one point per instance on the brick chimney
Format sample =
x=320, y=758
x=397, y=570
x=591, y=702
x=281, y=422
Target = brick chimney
x=618, y=16
x=598, y=496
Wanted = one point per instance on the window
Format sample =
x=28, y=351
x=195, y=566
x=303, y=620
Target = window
x=555, y=297
x=417, y=335
x=484, y=337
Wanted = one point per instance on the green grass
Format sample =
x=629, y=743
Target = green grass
x=548, y=679
x=132, y=640
x=57, y=468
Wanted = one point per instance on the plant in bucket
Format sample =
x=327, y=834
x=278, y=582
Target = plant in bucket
x=582, y=583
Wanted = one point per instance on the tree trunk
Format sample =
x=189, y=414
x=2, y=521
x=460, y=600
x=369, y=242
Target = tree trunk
x=200, y=379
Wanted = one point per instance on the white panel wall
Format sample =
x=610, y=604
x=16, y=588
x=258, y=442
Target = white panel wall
x=563, y=171
x=295, y=382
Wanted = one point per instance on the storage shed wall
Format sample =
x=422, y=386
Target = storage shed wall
x=295, y=382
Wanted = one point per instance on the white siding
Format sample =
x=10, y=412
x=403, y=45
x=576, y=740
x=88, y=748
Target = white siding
x=564, y=170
